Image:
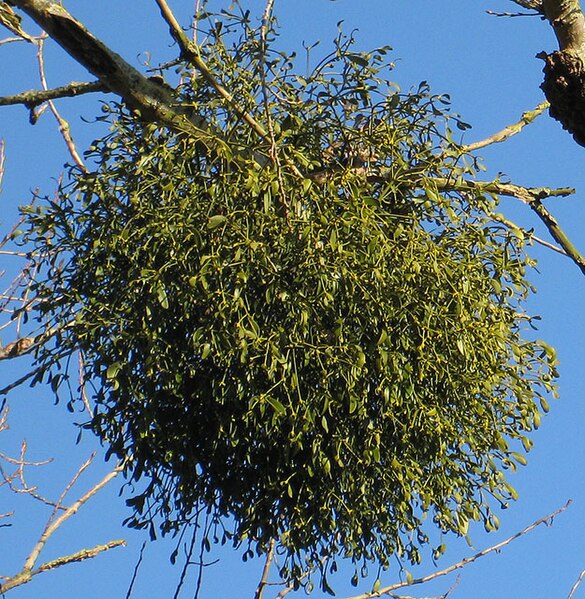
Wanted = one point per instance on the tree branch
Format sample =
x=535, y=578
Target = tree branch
x=60, y=513
x=53, y=525
x=558, y=234
x=16, y=348
x=568, y=23
x=33, y=97
x=495, y=548
x=153, y=101
x=264, y=578
x=25, y=576
x=530, y=234
x=576, y=585
x=526, y=118
x=532, y=196
x=528, y=195
x=190, y=52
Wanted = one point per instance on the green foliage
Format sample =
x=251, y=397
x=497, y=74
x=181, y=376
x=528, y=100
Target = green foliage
x=325, y=357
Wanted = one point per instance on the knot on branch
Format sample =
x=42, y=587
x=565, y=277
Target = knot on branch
x=564, y=87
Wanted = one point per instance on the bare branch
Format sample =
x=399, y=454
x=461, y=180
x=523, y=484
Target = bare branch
x=558, y=234
x=64, y=127
x=25, y=576
x=532, y=196
x=29, y=568
x=81, y=375
x=79, y=556
x=264, y=578
x=2, y=159
x=54, y=524
x=5, y=390
x=526, y=118
x=274, y=155
x=71, y=483
x=33, y=97
x=495, y=548
x=577, y=584
x=12, y=40
x=527, y=195
x=290, y=586
x=188, y=555
x=530, y=235
x=493, y=13
x=135, y=572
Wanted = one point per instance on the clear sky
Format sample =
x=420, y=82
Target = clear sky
x=488, y=66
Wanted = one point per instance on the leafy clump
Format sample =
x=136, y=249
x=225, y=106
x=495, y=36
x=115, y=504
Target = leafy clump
x=318, y=337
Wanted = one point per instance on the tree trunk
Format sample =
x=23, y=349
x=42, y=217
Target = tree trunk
x=564, y=70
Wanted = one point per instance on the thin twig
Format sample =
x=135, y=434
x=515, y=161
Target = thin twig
x=72, y=482
x=196, y=20
x=201, y=553
x=530, y=235
x=21, y=380
x=135, y=573
x=2, y=159
x=495, y=548
x=512, y=14
x=274, y=156
x=188, y=556
x=11, y=40
x=81, y=375
x=452, y=587
x=577, y=584
x=291, y=587
x=64, y=127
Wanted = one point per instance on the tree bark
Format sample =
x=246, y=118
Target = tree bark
x=568, y=23
x=564, y=70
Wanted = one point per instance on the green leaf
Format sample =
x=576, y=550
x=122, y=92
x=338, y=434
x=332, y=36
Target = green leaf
x=215, y=221
x=162, y=297
x=113, y=370
x=276, y=405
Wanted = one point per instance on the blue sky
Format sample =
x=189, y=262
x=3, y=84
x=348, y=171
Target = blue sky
x=488, y=66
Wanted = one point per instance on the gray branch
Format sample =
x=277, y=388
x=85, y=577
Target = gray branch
x=33, y=98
